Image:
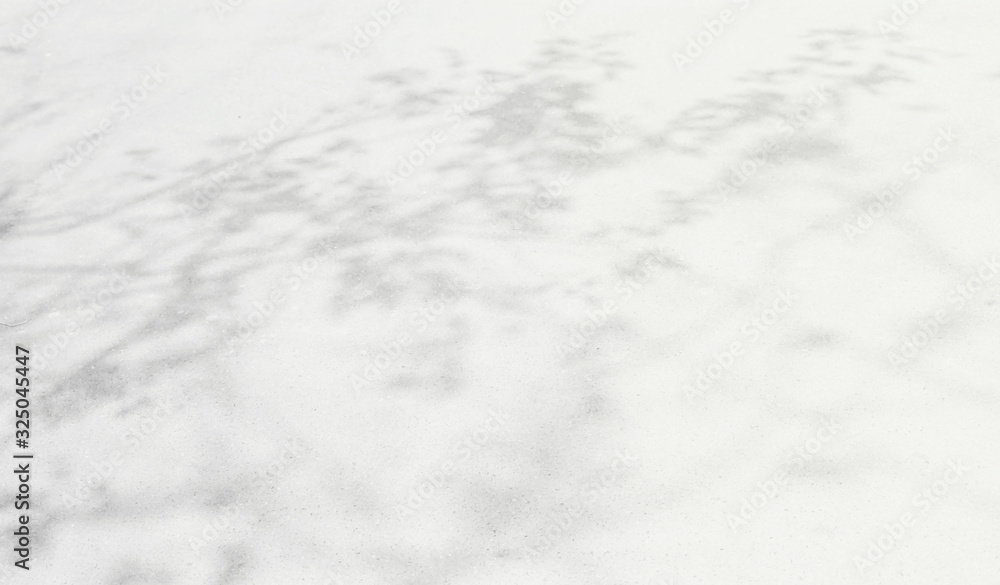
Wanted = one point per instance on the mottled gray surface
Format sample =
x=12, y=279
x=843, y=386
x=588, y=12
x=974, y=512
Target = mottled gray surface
x=635, y=312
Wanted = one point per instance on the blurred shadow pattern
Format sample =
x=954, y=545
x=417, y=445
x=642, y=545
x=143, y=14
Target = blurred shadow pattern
x=165, y=331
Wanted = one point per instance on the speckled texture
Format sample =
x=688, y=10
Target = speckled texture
x=503, y=294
